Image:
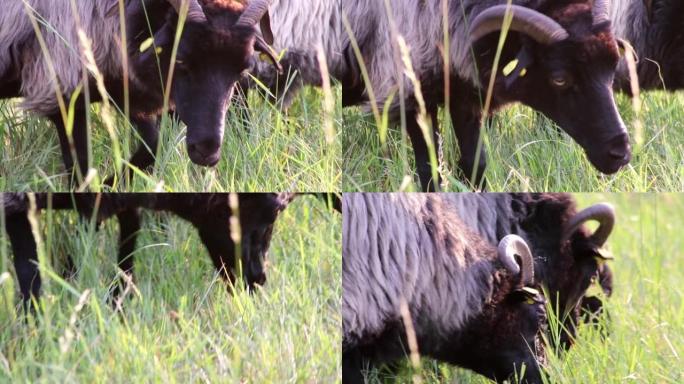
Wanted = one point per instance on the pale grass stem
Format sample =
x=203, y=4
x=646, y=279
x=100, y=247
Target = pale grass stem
x=508, y=18
x=414, y=354
x=328, y=99
x=235, y=230
x=364, y=71
x=70, y=332
x=630, y=57
x=35, y=230
x=422, y=118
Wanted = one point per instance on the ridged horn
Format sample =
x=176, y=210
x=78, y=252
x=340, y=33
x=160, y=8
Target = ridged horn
x=604, y=213
x=534, y=24
x=600, y=11
x=509, y=247
x=195, y=12
x=253, y=13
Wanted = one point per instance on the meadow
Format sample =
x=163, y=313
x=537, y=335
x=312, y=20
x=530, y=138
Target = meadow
x=180, y=324
x=645, y=321
x=264, y=149
x=525, y=152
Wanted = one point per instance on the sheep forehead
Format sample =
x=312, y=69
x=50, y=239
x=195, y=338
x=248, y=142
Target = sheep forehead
x=601, y=46
x=594, y=44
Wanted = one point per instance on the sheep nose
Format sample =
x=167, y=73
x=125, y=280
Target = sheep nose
x=205, y=152
x=619, y=149
x=260, y=280
x=257, y=280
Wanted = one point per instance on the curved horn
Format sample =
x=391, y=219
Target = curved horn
x=195, y=12
x=536, y=25
x=604, y=213
x=253, y=13
x=509, y=247
x=600, y=11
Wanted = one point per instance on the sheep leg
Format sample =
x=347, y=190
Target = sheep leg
x=129, y=225
x=143, y=158
x=148, y=128
x=25, y=257
x=421, y=151
x=9, y=89
x=466, y=122
x=215, y=237
x=352, y=366
x=79, y=137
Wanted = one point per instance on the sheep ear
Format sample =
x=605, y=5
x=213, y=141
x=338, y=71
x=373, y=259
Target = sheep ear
x=260, y=45
x=528, y=295
x=518, y=67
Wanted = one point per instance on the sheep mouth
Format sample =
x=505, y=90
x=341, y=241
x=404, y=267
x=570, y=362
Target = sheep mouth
x=612, y=156
x=204, y=160
x=610, y=162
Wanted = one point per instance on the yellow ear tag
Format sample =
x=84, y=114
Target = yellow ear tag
x=158, y=50
x=264, y=57
x=523, y=72
x=510, y=67
x=145, y=45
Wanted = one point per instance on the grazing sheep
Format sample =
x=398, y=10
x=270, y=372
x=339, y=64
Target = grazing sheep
x=559, y=58
x=468, y=302
x=210, y=213
x=299, y=28
x=215, y=48
x=655, y=29
x=568, y=257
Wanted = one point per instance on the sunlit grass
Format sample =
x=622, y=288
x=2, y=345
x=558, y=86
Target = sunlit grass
x=184, y=326
x=525, y=152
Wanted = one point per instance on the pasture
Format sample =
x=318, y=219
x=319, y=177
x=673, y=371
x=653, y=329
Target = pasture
x=645, y=325
x=525, y=152
x=180, y=324
x=264, y=149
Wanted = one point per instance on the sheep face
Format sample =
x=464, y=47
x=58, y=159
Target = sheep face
x=582, y=263
x=208, y=66
x=215, y=49
x=572, y=255
x=506, y=336
x=258, y=213
x=570, y=81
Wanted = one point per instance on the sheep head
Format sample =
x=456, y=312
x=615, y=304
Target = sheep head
x=508, y=333
x=216, y=48
x=560, y=62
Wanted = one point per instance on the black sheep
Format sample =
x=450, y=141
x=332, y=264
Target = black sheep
x=210, y=213
x=470, y=303
x=216, y=46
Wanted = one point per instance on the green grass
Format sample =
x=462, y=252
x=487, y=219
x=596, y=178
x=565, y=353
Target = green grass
x=272, y=151
x=646, y=326
x=525, y=152
x=184, y=326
